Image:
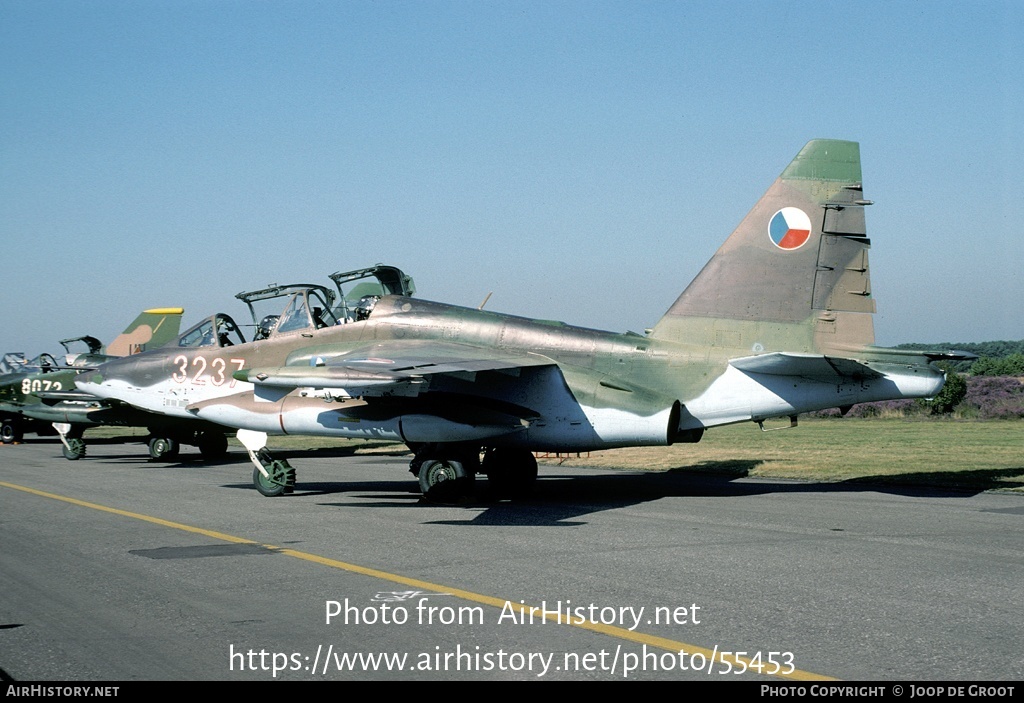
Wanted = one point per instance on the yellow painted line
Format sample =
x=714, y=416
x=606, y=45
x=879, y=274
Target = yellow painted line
x=135, y=516
x=522, y=609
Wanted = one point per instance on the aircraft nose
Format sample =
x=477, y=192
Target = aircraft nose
x=88, y=379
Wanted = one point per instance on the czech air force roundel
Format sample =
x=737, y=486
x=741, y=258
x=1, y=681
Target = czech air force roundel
x=790, y=228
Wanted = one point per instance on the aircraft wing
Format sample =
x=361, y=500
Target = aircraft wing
x=394, y=367
x=816, y=367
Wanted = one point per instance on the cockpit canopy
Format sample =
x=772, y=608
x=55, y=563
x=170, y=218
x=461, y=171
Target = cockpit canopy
x=216, y=331
x=311, y=307
x=12, y=362
x=44, y=362
x=370, y=285
x=93, y=345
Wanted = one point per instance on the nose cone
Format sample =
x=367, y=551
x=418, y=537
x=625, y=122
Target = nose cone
x=98, y=381
x=90, y=382
x=88, y=378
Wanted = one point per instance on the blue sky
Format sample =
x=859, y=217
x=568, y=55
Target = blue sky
x=580, y=160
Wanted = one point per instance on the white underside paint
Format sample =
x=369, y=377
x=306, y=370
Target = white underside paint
x=737, y=396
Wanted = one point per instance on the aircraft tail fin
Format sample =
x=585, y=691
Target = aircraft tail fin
x=151, y=329
x=793, y=276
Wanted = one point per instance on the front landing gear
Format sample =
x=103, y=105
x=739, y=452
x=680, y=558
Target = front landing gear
x=271, y=477
x=276, y=478
x=73, y=447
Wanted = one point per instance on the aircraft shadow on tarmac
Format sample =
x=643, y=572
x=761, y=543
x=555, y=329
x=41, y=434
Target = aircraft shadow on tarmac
x=560, y=497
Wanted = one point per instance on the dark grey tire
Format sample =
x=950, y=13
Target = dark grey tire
x=280, y=481
x=163, y=448
x=74, y=450
x=212, y=445
x=511, y=473
x=10, y=432
x=444, y=480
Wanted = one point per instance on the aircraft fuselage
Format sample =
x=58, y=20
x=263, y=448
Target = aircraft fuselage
x=587, y=389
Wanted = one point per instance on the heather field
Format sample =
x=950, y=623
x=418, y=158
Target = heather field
x=985, y=398
x=970, y=454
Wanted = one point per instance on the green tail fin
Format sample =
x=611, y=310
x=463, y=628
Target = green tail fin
x=151, y=329
x=794, y=274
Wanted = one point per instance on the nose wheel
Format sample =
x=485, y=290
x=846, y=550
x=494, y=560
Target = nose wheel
x=72, y=444
x=275, y=479
x=73, y=449
x=271, y=477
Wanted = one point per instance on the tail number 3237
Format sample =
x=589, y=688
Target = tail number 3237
x=218, y=371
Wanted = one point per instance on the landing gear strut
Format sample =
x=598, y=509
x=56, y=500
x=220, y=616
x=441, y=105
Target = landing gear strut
x=271, y=477
x=73, y=447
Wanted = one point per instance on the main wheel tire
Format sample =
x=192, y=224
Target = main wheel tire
x=11, y=432
x=280, y=481
x=163, y=448
x=511, y=473
x=444, y=480
x=212, y=445
x=74, y=449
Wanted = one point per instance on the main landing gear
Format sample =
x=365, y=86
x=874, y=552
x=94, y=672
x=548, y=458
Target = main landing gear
x=163, y=448
x=11, y=431
x=211, y=443
x=446, y=473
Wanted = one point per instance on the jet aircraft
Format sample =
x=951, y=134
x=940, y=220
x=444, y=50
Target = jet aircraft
x=170, y=429
x=25, y=387
x=778, y=323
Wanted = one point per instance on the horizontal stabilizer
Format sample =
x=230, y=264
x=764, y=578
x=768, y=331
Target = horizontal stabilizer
x=930, y=354
x=812, y=366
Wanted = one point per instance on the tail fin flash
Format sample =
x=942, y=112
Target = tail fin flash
x=151, y=329
x=794, y=274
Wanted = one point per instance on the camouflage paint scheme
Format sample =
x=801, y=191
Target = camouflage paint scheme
x=42, y=398
x=21, y=405
x=776, y=324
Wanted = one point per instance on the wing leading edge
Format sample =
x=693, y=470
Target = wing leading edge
x=391, y=368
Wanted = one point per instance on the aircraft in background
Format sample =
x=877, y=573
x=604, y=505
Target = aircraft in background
x=776, y=324
x=170, y=430
x=24, y=384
